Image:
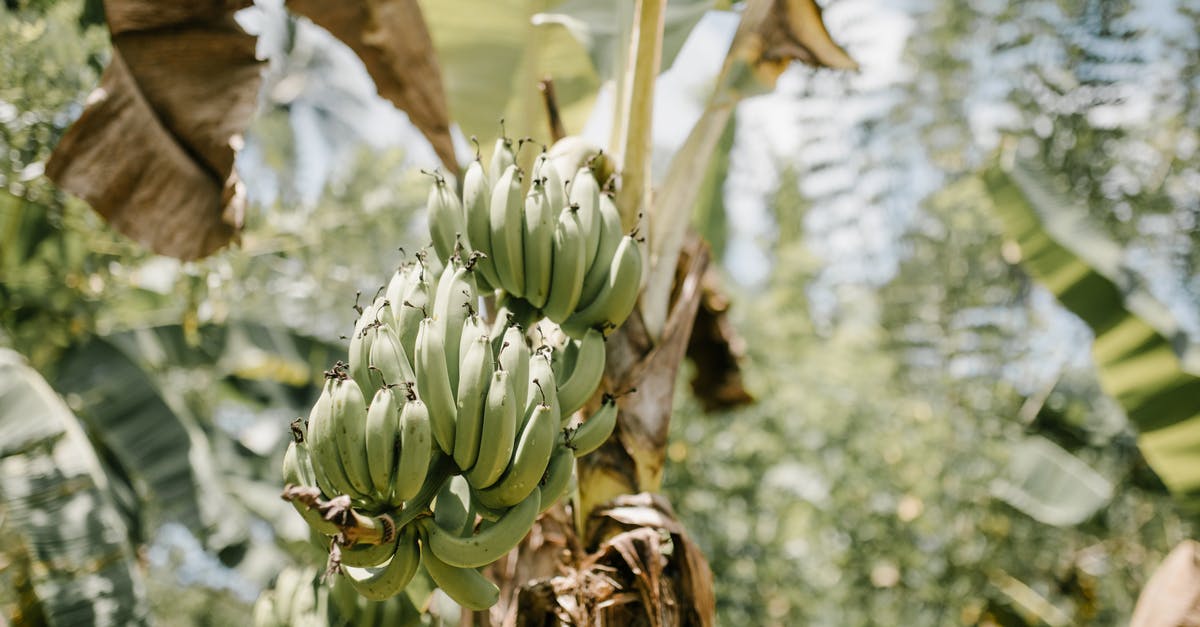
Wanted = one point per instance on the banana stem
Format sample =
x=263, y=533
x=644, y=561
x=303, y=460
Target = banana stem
x=636, y=141
x=355, y=527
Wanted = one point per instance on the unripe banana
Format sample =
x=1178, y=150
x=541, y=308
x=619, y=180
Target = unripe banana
x=499, y=430
x=542, y=385
x=473, y=384
x=390, y=364
x=360, y=342
x=382, y=440
x=529, y=461
x=595, y=430
x=454, y=302
x=610, y=237
x=618, y=296
x=507, y=205
x=477, y=198
x=466, y=586
x=514, y=310
x=445, y=218
x=513, y=357
x=569, y=266
x=381, y=583
x=295, y=460
x=584, y=375
x=452, y=510
x=412, y=310
x=472, y=330
x=305, y=601
x=323, y=446
x=563, y=359
x=433, y=383
x=539, y=221
x=556, y=192
x=558, y=477
x=486, y=545
x=349, y=411
x=397, y=289
x=585, y=194
x=263, y=614
x=502, y=157
x=287, y=584
x=416, y=449
x=342, y=596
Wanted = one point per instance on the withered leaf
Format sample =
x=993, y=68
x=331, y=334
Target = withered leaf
x=391, y=38
x=153, y=151
x=1172, y=596
x=771, y=35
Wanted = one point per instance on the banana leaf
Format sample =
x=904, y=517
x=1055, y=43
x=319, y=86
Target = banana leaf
x=59, y=507
x=1135, y=341
x=1051, y=485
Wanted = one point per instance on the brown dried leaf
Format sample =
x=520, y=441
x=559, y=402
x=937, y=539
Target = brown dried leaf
x=773, y=33
x=153, y=151
x=391, y=38
x=1172, y=596
x=716, y=349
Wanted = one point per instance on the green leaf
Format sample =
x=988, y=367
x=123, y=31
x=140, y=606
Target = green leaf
x=81, y=564
x=598, y=26
x=492, y=57
x=1135, y=360
x=1051, y=485
x=152, y=438
x=710, y=216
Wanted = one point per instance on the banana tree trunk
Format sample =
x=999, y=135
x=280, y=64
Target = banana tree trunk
x=617, y=554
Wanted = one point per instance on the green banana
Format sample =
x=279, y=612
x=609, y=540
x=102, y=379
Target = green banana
x=585, y=373
x=585, y=194
x=506, y=207
x=263, y=613
x=610, y=235
x=305, y=600
x=287, y=585
x=452, y=510
x=412, y=310
x=297, y=470
x=588, y=436
x=445, y=218
x=472, y=330
x=556, y=192
x=433, y=383
x=529, y=461
x=452, y=305
x=323, y=446
x=542, y=385
x=618, y=296
x=466, y=586
x=563, y=359
x=486, y=545
x=502, y=156
x=416, y=449
x=513, y=356
x=378, y=584
x=343, y=597
x=472, y=392
x=360, y=343
x=499, y=430
x=569, y=266
x=382, y=436
x=399, y=285
x=349, y=411
x=539, y=221
x=389, y=362
x=477, y=198
x=558, y=477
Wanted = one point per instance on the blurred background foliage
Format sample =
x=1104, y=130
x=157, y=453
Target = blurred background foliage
x=911, y=377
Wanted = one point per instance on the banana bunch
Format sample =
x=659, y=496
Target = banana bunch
x=298, y=599
x=452, y=431
x=554, y=248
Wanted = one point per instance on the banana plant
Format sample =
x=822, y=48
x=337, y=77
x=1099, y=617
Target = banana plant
x=1135, y=345
x=71, y=553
